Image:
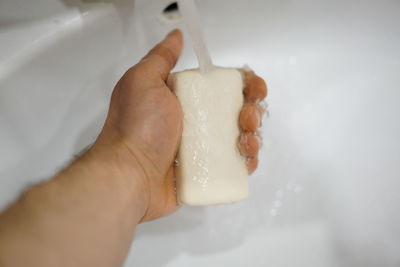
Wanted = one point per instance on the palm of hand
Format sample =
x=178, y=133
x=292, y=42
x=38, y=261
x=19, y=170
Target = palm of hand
x=147, y=118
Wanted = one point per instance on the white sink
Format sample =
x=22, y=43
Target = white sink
x=326, y=192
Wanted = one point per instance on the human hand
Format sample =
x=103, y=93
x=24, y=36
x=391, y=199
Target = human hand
x=250, y=118
x=145, y=122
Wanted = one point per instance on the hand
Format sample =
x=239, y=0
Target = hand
x=145, y=122
x=86, y=215
x=250, y=118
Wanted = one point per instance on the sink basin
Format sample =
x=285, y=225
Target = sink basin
x=326, y=191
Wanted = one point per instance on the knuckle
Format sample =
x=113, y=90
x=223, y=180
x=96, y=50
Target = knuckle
x=164, y=53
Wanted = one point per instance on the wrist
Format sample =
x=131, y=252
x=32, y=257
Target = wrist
x=123, y=172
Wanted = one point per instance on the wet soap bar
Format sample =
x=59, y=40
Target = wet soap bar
x=210, y=168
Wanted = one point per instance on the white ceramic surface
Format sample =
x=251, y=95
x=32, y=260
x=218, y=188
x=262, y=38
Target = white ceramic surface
x=326, y=193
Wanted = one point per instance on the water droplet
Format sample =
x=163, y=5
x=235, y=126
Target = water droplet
x=273, y=212
x=290, y=185
x=277, y=203
x=297, y=189
x=293, y=60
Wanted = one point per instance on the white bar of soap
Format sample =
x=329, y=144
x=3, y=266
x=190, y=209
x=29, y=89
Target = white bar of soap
x=210, y=168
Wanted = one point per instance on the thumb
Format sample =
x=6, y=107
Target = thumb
x=159, y=62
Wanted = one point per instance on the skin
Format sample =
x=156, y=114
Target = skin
x=87, y=214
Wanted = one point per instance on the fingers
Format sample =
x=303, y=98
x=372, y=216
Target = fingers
x=255, y=89
x=155, y=67
x=252, y=164
x=249, y=144
x=164, y=55
x=250, y=117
